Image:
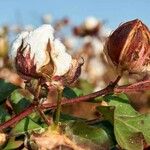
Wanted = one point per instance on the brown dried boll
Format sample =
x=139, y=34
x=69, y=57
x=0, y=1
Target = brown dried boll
x=128, y=47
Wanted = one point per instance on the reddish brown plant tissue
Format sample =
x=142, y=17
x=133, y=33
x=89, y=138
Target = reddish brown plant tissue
x=128, y=47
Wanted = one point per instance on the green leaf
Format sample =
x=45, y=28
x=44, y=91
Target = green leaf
x=69, y=93
x=72, y=92
x=6, y=89
x=3, y=114
x=78, y=92
x=20, y=99
x=85, y=86
x=107, y=112
x=26, y=125
x=90, y=136
x=107, y=126
x=67, y=118
x=131, y=128
x=12, y=144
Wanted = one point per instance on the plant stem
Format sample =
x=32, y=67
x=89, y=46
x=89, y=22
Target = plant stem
x=107, y=90
x=59, y=99
x=29, y=110
x=36, y=101
x=17, y=117
x=136, y=87
x=43, y=115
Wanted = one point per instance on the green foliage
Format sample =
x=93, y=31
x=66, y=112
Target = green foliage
x=121, y=123
x=13, y=144
x=131, y=128
x=20, y=100
x=86, y=87
x=69, y=93
x=6, y=89
x=72, y=92
x=67, y=118
x=26, y=125
x=91, y=136
x=4, y=115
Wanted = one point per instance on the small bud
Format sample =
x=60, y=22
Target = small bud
x=38, y=54
x=128, y=47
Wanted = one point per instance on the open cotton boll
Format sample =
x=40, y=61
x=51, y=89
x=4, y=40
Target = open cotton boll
x=38, y=40
x=38, y=54
x=16, y=44
x=90, y=23
x=61, y=58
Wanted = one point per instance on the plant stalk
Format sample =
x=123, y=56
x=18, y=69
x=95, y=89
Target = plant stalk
x=58, y=110
x=38, y=108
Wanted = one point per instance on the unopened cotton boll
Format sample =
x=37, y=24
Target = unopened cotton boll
x=128, y=47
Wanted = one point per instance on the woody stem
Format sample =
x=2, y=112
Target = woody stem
x=36, y=100
x=110, y=88
x=58, y=110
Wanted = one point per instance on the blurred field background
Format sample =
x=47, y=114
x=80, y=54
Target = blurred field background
x=83, y=26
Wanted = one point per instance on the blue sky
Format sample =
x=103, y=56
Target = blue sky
x=114, y=11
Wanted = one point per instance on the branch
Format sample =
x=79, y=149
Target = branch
x=30, y=109
x=17, y=117
x=136, y=87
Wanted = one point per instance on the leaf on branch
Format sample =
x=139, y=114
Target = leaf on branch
x=26, y=125
x=89, y=137
x=4, y=115
x=6, y=89
x=131, y=128
x=69, y=93
x=20, y=99
x=13, y=144
x=85, y=86
x=72, y=92
x=69, y=118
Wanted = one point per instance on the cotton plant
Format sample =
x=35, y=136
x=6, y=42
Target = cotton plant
x=44, y=64
x=39, y=55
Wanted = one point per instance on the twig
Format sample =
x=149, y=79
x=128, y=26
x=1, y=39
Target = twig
x=107, y=90
x=43, y=115
x=36, y=101
x=132, y=88
x=17, y=117
x=30, y=109
x=140, y=86
x=59, y=99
